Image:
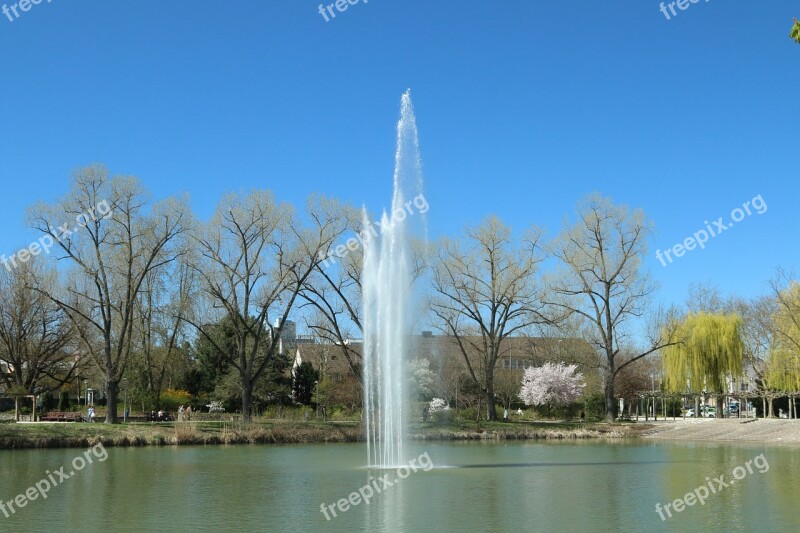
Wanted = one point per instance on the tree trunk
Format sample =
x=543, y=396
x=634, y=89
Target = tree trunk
x=247, y=394
x=611, y=405
x=491, y=409
x=112, y=394
x=771, y=411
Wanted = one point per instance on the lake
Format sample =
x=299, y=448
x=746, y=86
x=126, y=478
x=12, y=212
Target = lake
x=473, y=487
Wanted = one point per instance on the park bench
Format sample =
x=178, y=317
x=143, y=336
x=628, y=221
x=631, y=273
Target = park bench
x=153, y=417
x=58, y=416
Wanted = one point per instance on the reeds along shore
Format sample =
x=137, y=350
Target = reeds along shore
x=24, y=436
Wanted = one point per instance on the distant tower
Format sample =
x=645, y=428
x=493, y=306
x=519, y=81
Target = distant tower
x=288, y=339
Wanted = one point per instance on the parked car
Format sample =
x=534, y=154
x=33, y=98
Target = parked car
x=709, y=412
x=732, y=410
x=690, y=413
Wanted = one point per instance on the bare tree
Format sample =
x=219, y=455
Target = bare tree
x=333, y=293
x=118, y=240
x=507, y=383
x=485, y=290
x=602, y=280
x=786, y=291
x=37, y=340
x=706, y=298
x=256, y=258
x=758, y=337
x=450, y=378
x=168, y=295
x=635, y=382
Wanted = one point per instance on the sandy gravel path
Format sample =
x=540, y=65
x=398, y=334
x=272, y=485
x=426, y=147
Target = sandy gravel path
x=743, y=430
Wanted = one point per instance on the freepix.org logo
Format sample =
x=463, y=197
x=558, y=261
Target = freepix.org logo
x=682, y=5
x=41, y=488
x=100, y=211
x=15, y=11
x=329, y=11
x=699, y=239
x=711, y=487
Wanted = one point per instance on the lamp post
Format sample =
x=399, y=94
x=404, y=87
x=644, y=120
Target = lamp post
x=653, y=389
x=316, y=394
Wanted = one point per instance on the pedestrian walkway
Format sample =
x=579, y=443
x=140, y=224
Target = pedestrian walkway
x=730, y=429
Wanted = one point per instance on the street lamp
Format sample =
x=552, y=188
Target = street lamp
x=653, y=396
x=316, y=394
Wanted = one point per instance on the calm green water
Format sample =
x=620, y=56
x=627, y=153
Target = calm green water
x=473, y=488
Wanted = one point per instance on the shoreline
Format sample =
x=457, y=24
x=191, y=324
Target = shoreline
x=42, y=435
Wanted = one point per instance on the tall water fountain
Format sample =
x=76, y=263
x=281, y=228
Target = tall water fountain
x=387, y=294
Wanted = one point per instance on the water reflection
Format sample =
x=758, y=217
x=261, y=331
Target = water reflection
x=500, y=487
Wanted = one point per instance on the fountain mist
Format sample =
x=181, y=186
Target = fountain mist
x=388, y=306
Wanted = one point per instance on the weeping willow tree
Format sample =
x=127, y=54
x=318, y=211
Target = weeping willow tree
x=783, y=375
x=707, y=350
x=783, y=365
x=783, y=371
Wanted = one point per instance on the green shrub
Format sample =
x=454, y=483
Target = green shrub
x=442, y=417
x=48, y=401
x=63, y=401
x=559, y=412
x=470, y=413
x=172, y=399
x=594, y=406
x=274, y=412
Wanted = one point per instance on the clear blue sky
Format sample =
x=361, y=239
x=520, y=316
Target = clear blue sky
x=523, y=107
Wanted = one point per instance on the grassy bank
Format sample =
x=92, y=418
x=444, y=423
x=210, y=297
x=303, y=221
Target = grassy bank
x=81, y=435
x=528, y=431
